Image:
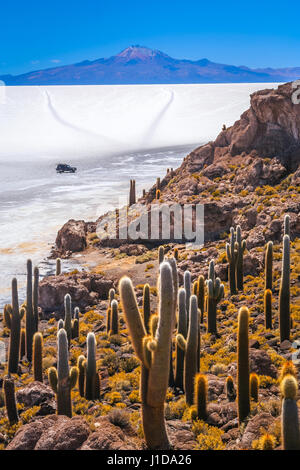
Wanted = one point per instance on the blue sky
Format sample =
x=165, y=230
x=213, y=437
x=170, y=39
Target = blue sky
x=42, y=34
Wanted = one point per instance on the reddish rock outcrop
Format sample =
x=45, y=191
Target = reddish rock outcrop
x=85, y=289
x=71, y=237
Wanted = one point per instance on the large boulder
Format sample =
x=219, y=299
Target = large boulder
x=71, y=237
x=85, y=290
x=51, y=433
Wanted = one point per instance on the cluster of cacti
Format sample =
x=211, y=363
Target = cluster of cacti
x=154, y=354
x=215, y=292
x=132, y=193
x=289, y=416
x=62, y=379
x=10, y=400
x=284, y=292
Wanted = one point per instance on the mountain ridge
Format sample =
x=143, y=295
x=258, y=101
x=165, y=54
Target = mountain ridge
x=142, y=65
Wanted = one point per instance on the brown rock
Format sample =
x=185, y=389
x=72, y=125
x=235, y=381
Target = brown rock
x=261, y=364
x=254, y=428
x=72, y=236
x=35, y=394
x=109, y=437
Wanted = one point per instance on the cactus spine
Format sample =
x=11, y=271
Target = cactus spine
x=215, y=292
x=181, y=330
x=38, y=357
x=289, y=415
x=62, y=379
x=15, y=329
x=58, y=267
x=201, y=396
x=269, y=266
x=114, y=318
x=30, y=321
x=154, y=354
x=91, y=368
x=231, y=258
x=68, y=317
x=284, y=293
x=268, y=309
x=146, y=307
x=243, y=365
x=10, y=400
x=240, y=249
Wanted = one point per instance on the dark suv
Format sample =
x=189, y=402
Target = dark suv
x=63, y=168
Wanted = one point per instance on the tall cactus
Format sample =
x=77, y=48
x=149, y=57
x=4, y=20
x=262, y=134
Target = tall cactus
x=289, y=415
x=231, y=258
x=10, y=400
x=81, y=364
x=172, y=263
x=62, y=379
x=146, y=307
x=215, y=292
x=243, y=388
x=200, y=396
x=75, y=323
x=240, y=249
x=36, y=276
x=68, y=317
x=13, y=317
x=108, y=320
x=132, y=193
x=154, y=354
x=286, y=225
x=114, y=318
x=181, y=330
x=91, y=369
x=201, y=296
x=190, y=346
x=187, y=284
x=269, y=266
x=284, y=292
x=22, y=343
x=30, y=321
x=268, y=309
x=111, y=296
x=58, y=267
x=38, y=357
x=161, y=254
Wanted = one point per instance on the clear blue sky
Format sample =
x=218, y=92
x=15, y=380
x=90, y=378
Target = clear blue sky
x=40, y=34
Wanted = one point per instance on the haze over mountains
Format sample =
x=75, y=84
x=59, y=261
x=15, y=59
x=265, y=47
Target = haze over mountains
x=141, y=65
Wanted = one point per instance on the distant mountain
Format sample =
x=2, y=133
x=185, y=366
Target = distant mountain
x=141, y=65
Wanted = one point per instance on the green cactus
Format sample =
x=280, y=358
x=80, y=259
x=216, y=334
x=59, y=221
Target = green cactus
x=284, y=292
x=191, y=352
x=230, y=389
x=215, y=292
x=132, y=193
x=200, y=396
x=201, y=296
x=243, y=389
x=114, y=318
x=240, y=249
x=36, y=277
x=68, y=317
x=289, y=414
x=60, y=324
x=269, y=266
x=10, y=400
x=58, y=267
x=286, y=225
x=161, y=254
x=146, y=307
x=62, y=379
x=187, y=286
x=172, y=263
x=111, y=296
x=108, y=320
x=38, y=357
x=154, y=354
x=81, y=365
x=75, y=323
x=254, y=386
x=22, y=343
x=181, y=330
x=13, y=317
x=231, y=254
x=268, y=309
x=30, y=321
x=91, y=368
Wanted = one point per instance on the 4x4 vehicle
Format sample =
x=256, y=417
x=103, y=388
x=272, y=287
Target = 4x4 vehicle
x=63, y=168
